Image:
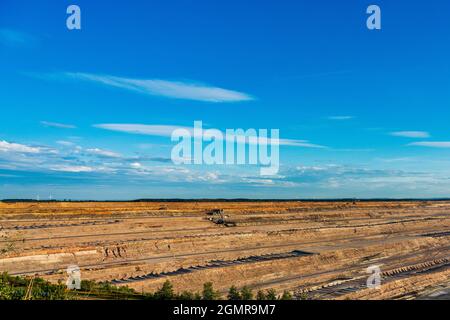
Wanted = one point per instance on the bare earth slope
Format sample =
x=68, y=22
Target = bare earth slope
x=321, y=249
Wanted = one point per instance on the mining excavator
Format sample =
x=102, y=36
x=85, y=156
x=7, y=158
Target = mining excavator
x=218, y=217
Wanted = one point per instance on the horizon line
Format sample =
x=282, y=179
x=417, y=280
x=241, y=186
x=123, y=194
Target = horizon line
x=236, y=200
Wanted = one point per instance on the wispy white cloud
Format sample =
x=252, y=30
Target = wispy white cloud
x=16, y=147
x=167, y=130
x=144, y=129
x=14, y=38
x=165, y=88
x=73, y=169
x=340, y=118
x=300, y=143
x=352, y=178
x=431, y=144
x=72, y=160
x=402, y=159
x=319, y=180
x=57, y=125
x=410, y=134
x=104, y=153
x=65, y=143
x=354, y=150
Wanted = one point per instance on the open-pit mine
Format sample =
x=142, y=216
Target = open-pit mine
x=314, y=250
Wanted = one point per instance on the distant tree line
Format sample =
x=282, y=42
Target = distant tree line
x=21, y=288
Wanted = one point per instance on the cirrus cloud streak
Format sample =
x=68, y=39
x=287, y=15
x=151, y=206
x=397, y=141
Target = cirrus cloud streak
x=165, y=88
x=167, y=130
x=410, y=134
x=431, y=144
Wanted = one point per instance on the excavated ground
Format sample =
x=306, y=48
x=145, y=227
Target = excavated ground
x=317, y=249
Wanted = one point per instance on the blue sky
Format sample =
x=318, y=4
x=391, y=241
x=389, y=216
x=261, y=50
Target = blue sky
x=371, y=108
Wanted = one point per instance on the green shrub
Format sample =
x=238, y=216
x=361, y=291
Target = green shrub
x=286, y=296
x=233, y=294
x=209, y=293
x=15, y=288
x=261, y=295
x=166, y=292
x=271, y=294
x=246, y=293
